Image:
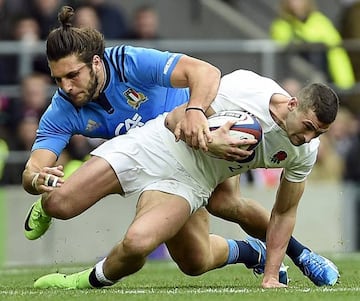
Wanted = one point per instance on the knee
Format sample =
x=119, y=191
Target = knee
x=193, y=265
x=225, y=203
x=55, y=205
x=138, y=244
x=214, y=206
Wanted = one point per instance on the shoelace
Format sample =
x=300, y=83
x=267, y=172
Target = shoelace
x=258, y=271
x=315, y=263
x=38, y=216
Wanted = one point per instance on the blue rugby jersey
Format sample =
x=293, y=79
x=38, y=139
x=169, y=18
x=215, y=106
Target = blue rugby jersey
x=137, y=89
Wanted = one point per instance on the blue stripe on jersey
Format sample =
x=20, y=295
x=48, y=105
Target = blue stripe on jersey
x=114, y=59
x=123, y=62
x=114, y=53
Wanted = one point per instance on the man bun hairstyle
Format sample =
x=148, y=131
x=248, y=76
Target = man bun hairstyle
x=65, y=15
x=68, y=40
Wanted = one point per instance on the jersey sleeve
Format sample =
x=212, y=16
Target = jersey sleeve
x=149, y=67
x=54, y=131
x=301, y=166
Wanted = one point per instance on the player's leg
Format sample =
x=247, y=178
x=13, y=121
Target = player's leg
x=196, y=252
x=91, y=182
x=87, y=185
x=226, y=202
x=159, y=217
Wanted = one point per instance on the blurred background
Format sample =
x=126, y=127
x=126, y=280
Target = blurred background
x=295, y=42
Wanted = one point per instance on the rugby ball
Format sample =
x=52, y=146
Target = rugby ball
x=246, y=127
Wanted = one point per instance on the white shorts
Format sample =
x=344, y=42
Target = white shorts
x=141, y=162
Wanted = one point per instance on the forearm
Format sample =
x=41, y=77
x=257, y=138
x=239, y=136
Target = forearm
x=40, y=164
x=279, y=231
x=280, y=228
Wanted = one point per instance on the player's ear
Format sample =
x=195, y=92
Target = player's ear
x=293, y=103
x=96, y=59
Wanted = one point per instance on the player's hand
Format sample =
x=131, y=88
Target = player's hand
x=224, y=146
x=194, y=130
x=48, y=179
x=272, y=283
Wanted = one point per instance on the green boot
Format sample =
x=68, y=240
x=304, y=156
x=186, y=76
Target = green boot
x=78, y=280
x=37, y=222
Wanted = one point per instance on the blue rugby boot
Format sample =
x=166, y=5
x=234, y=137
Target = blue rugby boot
x=259, y=269
x=320, y=270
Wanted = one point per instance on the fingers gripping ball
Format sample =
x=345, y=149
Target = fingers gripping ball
x=246, y=127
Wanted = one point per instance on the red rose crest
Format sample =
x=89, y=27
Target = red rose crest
x=278, y=157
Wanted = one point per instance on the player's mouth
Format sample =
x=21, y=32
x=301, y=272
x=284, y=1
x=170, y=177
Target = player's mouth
x=297, y=140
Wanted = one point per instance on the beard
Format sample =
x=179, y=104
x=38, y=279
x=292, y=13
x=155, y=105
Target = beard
x=93, y=84
x=89, y=93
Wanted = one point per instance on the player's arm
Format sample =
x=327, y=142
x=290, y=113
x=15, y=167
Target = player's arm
x=203, y=80
x=222, y=145
x=280, y=228
x=40, y=173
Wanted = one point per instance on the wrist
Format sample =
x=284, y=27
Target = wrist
x=34, y=181
x=195, y=109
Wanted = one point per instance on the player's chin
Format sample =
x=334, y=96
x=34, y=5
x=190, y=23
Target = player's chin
x=81, y=100
x=296, y=141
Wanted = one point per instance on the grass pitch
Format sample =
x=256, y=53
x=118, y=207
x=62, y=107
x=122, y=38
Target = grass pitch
x=161, y=280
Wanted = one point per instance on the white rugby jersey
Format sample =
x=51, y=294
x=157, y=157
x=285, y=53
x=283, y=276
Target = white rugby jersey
x=246, y=90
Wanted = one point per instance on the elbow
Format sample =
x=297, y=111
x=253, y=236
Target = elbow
x=216, y=72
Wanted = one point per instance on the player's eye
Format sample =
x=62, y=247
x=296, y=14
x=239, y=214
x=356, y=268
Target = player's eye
x=309, y=127
x=73, y=75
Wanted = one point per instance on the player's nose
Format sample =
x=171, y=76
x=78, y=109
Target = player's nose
x=66, y=85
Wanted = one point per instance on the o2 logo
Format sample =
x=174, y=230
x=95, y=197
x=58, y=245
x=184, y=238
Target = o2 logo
x=129, y=123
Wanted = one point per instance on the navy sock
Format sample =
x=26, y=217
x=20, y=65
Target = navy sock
x=294, y=249
x=241, y=252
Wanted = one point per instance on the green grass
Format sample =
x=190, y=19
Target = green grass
x=163, y=281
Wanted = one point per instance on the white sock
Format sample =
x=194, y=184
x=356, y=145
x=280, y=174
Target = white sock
x=99, y=273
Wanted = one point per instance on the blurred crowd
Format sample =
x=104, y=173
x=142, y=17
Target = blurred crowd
x=32, y=20
x=297, y=22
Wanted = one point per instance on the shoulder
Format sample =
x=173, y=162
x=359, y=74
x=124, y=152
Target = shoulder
x=246, y=79
x=126, y=55
x=129, y=50
x=60, y=107
x=60, y=101
x=306, y=154
x=241, y=77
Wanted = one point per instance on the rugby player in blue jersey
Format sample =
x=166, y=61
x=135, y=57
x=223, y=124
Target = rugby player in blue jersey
x=104, y=92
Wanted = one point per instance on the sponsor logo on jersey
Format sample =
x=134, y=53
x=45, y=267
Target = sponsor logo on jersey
x=129, y=123
x=134, y=98
x=278, y=157
x=92, y=125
